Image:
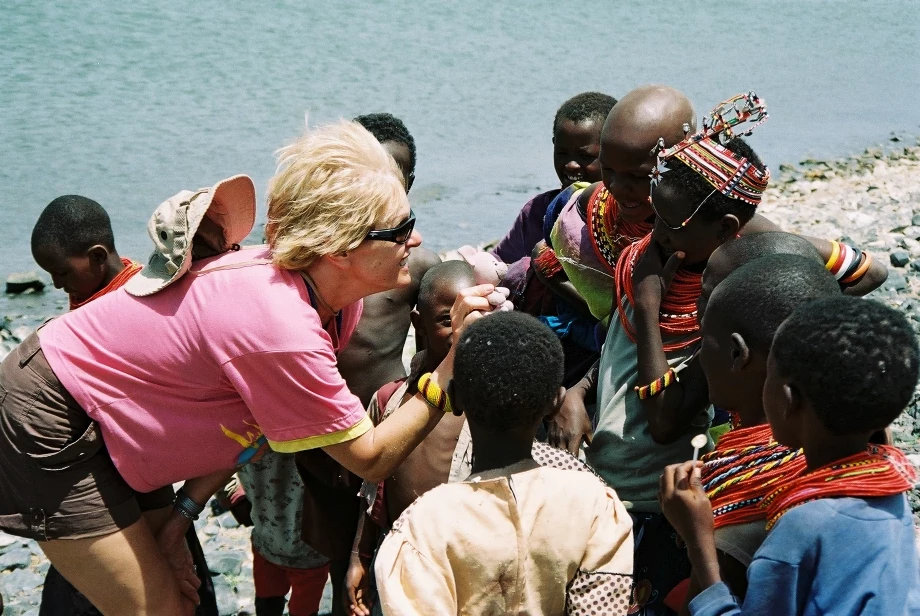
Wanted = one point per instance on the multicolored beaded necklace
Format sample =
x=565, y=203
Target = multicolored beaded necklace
x=677, y=316
x=609, y=233
x=881, y=470
x=745, y=466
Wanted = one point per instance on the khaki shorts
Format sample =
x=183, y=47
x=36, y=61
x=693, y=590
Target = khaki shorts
x=57, y=480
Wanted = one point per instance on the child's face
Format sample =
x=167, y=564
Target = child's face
x=777, y=403
x=625, y=172
x=403, y=157
x=575, y=150
x=697, y=239
x=436, y=320
x=79, y=276
x=716, y=361
x=717, y=269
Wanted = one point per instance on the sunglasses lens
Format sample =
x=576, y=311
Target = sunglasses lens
x=404, y=232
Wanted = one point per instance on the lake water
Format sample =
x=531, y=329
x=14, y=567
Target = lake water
x=130, y=102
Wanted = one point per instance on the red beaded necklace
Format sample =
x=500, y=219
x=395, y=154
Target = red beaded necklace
x=745, y=466
x=677, y=316
x=881, y=470
x=609, y=233
x=130, y=268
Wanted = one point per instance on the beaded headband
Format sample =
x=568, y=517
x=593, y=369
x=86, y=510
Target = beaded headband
x=732, y=175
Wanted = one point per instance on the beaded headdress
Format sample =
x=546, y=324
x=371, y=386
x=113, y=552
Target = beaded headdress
x=704, y=152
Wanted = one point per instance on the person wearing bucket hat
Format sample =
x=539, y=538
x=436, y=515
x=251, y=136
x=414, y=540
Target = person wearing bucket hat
x=205, y=364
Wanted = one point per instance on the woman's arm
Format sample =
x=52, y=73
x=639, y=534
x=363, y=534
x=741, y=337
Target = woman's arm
x=377, y=453
x=873, y=278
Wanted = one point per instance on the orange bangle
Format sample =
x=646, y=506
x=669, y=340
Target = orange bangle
x=861, y=271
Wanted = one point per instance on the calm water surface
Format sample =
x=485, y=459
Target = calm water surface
x=130, y=102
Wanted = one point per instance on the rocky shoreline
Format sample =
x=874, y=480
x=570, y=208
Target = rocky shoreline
x=872, y=199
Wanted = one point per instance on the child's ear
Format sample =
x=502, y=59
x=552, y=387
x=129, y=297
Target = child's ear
x=98, y=254
x=421, y=340
x=556, y=403
x=741, y=352
x=793, y=401
x=729, y=225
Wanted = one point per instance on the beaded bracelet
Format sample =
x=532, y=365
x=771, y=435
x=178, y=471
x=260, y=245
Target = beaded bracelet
x=657, y=386
x=433, y=394
x=186, y=506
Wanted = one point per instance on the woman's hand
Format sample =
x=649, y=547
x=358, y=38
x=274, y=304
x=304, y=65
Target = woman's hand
x=357, y=595
x=652, y=277
x=473, y=303
x=171, y=541
x=684, y=502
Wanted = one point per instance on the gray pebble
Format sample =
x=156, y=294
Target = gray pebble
x=915, y=221
x=896, y=282
x=19, y=581
x=899, y=258
x=227, y=602
x=17, y=558
x=228, y=521
x=225, y=563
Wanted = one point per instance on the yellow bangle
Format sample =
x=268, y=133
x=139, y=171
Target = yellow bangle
x=433, y=394
x=835, y=252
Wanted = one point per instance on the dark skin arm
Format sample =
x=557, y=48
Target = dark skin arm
x=560, y=285
x=670, y=413
x=733, y=573
x=356, y=596
x=873, y=278
x=571, y=426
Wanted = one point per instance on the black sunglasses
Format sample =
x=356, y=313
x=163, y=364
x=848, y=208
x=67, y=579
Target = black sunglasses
x=397, y=235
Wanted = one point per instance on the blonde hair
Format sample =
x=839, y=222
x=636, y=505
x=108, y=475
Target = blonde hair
x=330, y=188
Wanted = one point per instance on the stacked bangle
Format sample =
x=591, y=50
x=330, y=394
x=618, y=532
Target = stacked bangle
x=860, y=270
x=657, y=386
x=433, y=394
x=186, y=506
x=847, y=264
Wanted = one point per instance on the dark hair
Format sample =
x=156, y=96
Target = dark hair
x=507, y=370
x=387, y=127
x=746, y=248
x=757, y=297
x=695, y=188
x=856, y=360
x=439, y=274
x=584, y=106
x=74, y=224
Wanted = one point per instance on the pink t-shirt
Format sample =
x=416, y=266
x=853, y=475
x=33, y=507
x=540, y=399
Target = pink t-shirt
x=205, y=374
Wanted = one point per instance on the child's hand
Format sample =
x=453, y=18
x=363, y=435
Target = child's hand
x=357, y=588
x=684, y=503
x=652, y=277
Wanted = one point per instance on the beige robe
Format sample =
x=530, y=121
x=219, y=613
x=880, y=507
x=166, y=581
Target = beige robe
x=508, y=541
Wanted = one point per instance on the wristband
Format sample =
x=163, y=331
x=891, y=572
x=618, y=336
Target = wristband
x=186, y=506
x=657, y=386
x=433, y=394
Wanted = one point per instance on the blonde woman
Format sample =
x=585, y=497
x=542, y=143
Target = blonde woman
x=108, y=406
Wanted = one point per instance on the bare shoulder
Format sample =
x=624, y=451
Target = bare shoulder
x=422, y=259
x=759, y=224
x=585, y=196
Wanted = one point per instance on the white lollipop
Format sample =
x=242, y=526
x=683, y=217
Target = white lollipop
x=699, y=441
